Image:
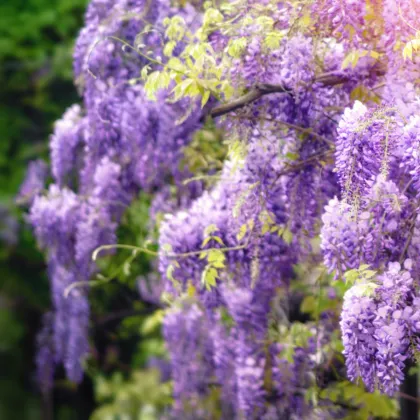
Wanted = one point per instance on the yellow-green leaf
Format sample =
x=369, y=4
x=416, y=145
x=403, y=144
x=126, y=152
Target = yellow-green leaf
x=205, y=98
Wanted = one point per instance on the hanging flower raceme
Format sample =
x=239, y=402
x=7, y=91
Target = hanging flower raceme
x=380, y=323
x=186, y=333
x=34, y=182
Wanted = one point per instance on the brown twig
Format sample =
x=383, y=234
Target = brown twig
x=304, y=130
x=302, y=163
x=257, y=92
x=262, y=89
x=408, y=397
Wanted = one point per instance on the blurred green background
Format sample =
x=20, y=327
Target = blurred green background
x=36, y=87
x=36, y=41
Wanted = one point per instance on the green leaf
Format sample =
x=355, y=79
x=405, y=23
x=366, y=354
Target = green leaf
x=206, y=241
x=218, y=264
x=210, y=229
x=175, y=30
x=152, y=322
x=308, y=304
x=169, y=48
x=368, y=274
x=205, y=98
x=353, y=58
x=273, y=39
x=216, y=255
x=176, y=65
x=408, y=51
x=167, y=248
x=208, y=277
x=242, y=232
x=287, y=236
x=155, y=81
x=218, y=240
x=180, y=90
x=236, y=47
x=265, y=228
x=292, y=156
x=351, y=276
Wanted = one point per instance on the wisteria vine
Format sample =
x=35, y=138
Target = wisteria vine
x=313, y=190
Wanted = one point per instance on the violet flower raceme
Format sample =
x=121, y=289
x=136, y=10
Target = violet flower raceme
x=66, y=144
x=189, y=346
x=54, y=218
x=345, y=19
x=183, y=233
x=357, y=159
x=400, y=24
x=372, y=236
x=34, y=181
x=379, y=323
x=290, y=379
x=411, y=144
x=341, y=238
x=223, y=338
x=96, y=227
x=393, y=322
x=357, y=334
x=45, y=355
x=250, y=314
x=78, y=328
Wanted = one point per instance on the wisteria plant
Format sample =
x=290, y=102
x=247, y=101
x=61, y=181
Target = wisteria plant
x=278, y=143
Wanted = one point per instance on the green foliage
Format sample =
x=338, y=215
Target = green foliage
x=205, y=154
x=134, y=229
x=363, y=279
x=215, y=261
x=353, y=57
x=242, y=199
x=296, y=335
x=36, y=39
x=366, y=405
x=11, y=330
x=35, y=79
x=140, y=397
x=359, y=275
x=196, y=72
x=410, y=46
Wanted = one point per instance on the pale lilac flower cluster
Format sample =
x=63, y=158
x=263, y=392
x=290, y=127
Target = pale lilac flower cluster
x=34, y=182
x=380, y=328
x=345, y=19
x=186, y=334
x=102, y=154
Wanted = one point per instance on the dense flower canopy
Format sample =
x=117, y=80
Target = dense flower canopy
x=313, y=168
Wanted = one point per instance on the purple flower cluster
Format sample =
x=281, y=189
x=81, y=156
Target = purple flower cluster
x=186, y=334
x=34, y=182
x=66, y=145
x=350, y=238
x=380, y=329
x=345, y=20
x=358, y=155
x=411, y=159
x=102, y=154
x=341, y=237
x=45, y=355
x=252, y=195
